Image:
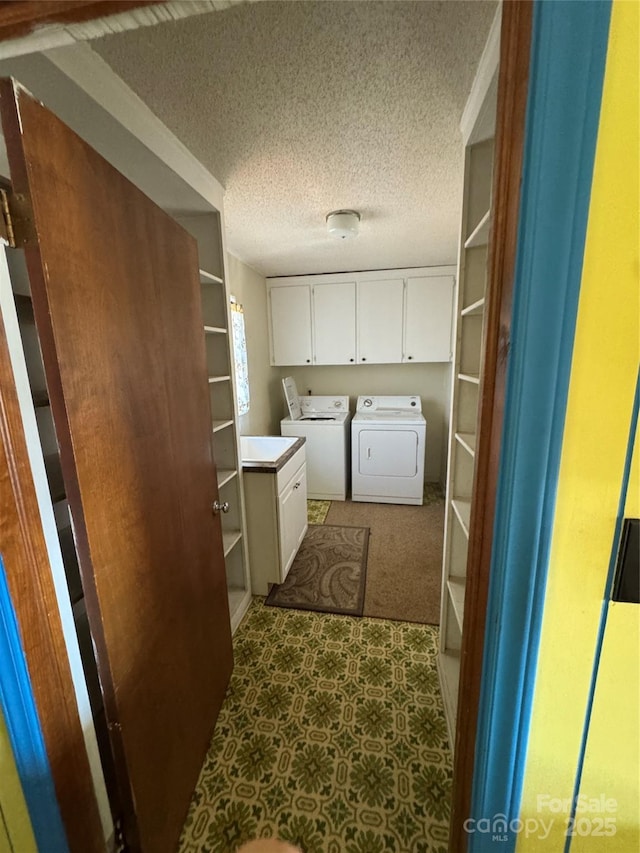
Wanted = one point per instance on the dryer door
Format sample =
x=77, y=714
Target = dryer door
x=388, y=452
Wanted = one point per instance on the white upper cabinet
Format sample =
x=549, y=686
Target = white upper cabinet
x=428, y=309
x=380, y=321
x=334, y=323
x=290, y=310
x=373, y=317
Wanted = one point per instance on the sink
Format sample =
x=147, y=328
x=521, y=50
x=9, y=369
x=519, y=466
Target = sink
x=264, y=448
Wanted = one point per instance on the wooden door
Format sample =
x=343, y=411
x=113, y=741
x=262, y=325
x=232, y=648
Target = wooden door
x=115, y=292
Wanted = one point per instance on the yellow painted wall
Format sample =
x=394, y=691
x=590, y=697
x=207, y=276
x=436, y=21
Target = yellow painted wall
x=612, y=757
x=603, y=376
x=15, y=826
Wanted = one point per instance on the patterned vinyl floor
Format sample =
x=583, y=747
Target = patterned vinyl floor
x=332, y=737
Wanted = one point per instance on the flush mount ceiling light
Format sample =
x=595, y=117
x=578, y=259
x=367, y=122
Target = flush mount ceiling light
x=343, y=224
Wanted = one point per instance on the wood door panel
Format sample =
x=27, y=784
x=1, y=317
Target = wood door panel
x=116, y=299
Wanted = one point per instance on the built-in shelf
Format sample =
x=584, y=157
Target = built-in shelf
x=473, y=309
x=480, y=234
x=213, y=379
x=462, y=509
x=54, y=477
x=456, y=594
x=236, y=597
x=218, y=425
x=449, y=671
x=468, y=441
x=225, y=475
x=473, y=378
x=208, y=277
x=214, y=330
x=230, y=539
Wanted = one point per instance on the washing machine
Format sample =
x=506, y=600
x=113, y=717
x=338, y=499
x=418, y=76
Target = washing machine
x=388, y=442
x=324, y=423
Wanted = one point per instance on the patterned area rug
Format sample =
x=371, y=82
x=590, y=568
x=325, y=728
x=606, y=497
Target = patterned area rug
x=317, y=511
x=328, y=573
x=332, y=737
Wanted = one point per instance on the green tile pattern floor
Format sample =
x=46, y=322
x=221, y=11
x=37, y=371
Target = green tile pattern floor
x=317, y=511
x=332, y=737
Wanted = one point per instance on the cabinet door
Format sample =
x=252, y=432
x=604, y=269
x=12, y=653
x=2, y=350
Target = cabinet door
x=292, y=506
x=290, y=311
x=380, y=321
x=428, y=318
x=116, y=301
x=334, y=323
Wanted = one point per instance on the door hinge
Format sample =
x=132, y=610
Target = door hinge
x=16, y=223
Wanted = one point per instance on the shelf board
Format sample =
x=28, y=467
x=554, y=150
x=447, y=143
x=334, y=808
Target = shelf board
x=474, y=309
x=230, y=539
x=449, y=672
x=215, y=330
x=480, y=234
x=456, y=588
x=209, y=278
x=218, y=425
x=468, y=441
x=462, y=509
x=40, y=398
x=214, y=379
x=54, y=477
x=469, y=377
x=225, y=475
x=70, y=560
x=24, y=308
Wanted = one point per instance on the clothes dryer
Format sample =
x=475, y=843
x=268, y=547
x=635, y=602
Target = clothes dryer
x=388, y=443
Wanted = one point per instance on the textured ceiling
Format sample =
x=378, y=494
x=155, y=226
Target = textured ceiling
x=300, y=108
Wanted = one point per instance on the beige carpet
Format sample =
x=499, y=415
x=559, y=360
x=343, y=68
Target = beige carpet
x=404, y=568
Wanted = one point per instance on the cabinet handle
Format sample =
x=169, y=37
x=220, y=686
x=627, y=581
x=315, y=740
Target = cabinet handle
x=350, y=359
x=220, y=507
x=363, y=358
x=409, y=357
x=308, y=360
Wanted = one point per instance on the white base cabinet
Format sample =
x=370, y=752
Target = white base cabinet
x=276, y=506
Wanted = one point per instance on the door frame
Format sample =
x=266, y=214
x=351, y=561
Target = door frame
x=513, y=80
x=522, y=416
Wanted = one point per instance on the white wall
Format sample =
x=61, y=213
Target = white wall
x=249, y=289
x=430, y=381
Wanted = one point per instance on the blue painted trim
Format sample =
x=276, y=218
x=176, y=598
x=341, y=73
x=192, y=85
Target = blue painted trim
x=25, y=734
x=606, y=598
x=568, y=51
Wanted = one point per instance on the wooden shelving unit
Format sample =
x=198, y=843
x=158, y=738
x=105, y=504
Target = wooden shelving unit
x=477, y=126
x=225, y=436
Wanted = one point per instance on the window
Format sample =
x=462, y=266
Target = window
x=239, y=341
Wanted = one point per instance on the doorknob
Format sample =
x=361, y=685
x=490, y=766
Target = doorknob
x=220, y=507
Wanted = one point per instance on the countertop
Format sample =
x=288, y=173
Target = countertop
x=274, y=467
